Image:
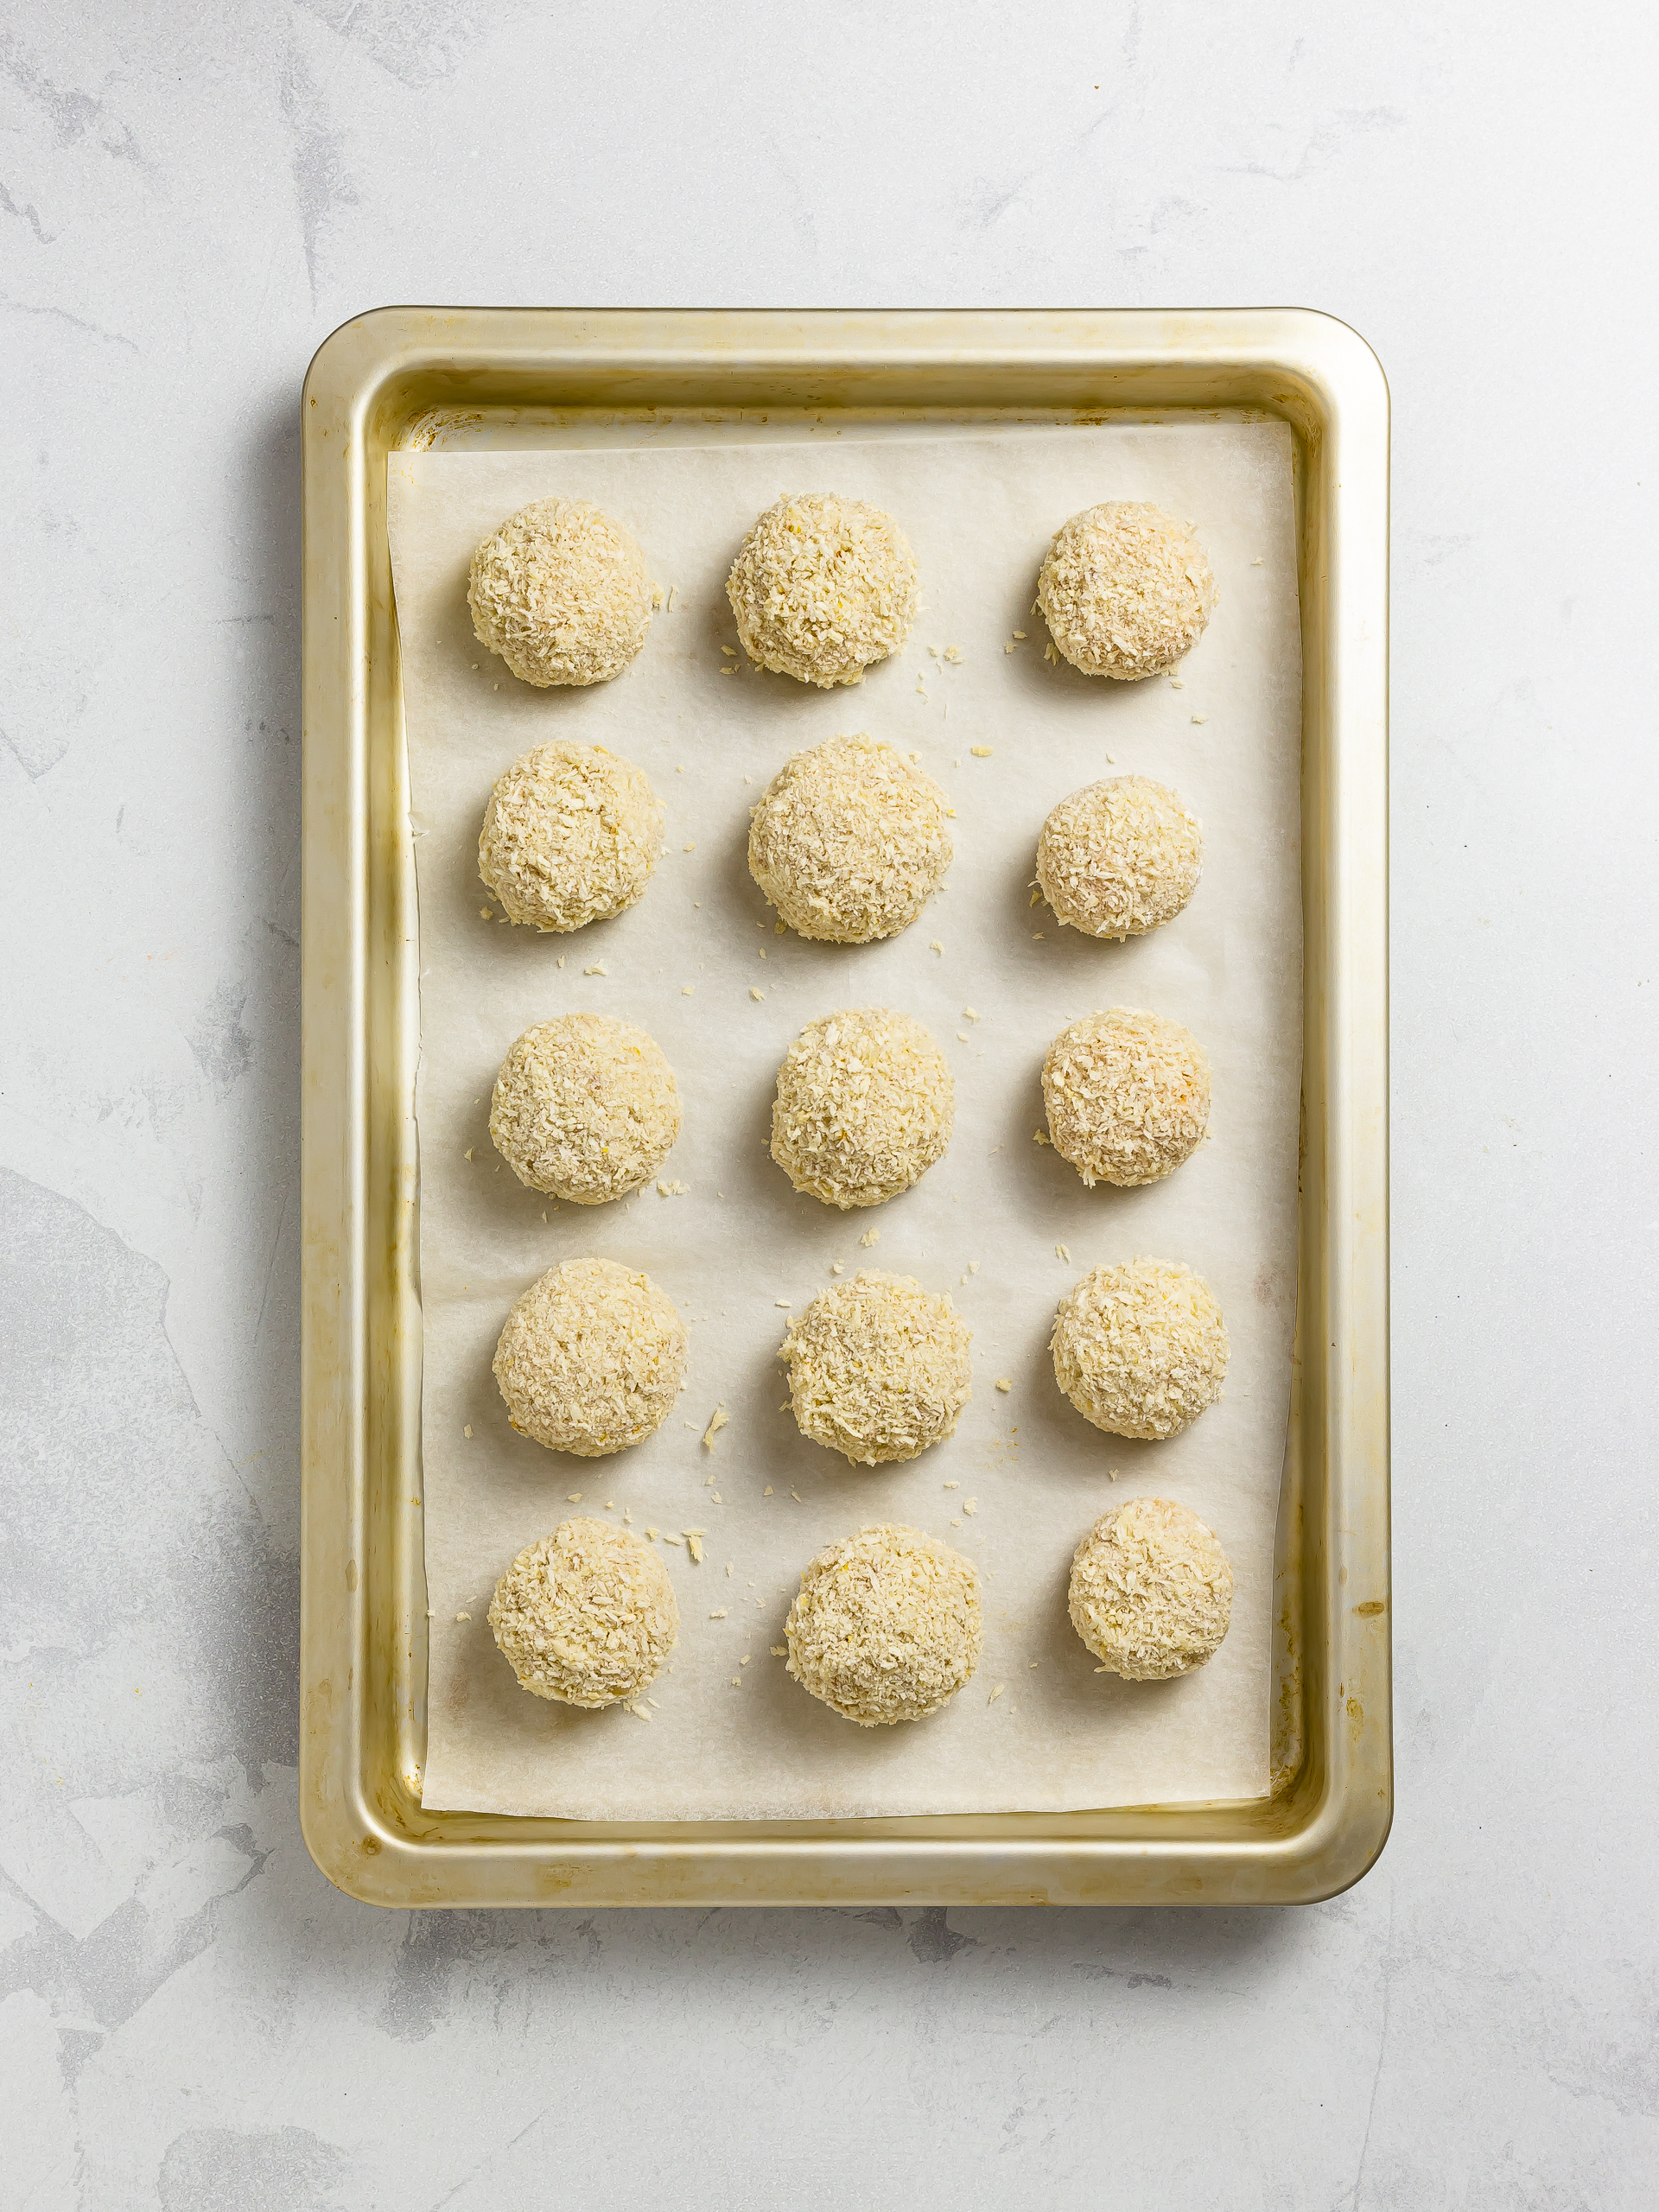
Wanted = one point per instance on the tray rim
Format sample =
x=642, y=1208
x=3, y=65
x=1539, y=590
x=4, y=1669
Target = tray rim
x=368, y=381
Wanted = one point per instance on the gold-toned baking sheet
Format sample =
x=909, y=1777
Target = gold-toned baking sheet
x=1002, y=1224
x=537, y=380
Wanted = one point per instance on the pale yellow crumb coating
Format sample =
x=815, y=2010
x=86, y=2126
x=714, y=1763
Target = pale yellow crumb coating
x=885, y=1626
x=1141, y=1350
x=1151, y=1592
x=570, y=836
x=822, y=586
x=1127, y=1095
x=864, y=1107
x=561, y=591
x=586, y=1107
x=850, y=840
x=1119, y=857
x=879, y=1367
x=585, y=1615
x=591, y=1358
x=1126, y=590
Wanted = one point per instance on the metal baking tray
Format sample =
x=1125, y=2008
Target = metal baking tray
x=401, y=377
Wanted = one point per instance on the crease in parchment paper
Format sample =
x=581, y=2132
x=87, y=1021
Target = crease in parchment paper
x=1001, y=1223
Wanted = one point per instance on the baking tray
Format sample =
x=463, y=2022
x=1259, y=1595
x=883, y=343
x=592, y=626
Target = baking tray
x=401, y=377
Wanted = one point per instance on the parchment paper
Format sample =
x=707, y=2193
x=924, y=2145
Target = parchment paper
x=732, y=1736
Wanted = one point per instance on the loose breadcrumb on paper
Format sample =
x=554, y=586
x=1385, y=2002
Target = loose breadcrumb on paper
x=934, y=946
x=573, y=1497
x=952, y=1485
x=778, y=1651
x=1200, y=718
x=962, y=1036
x=467, y=1430
x=1021, y=635
x=717, y=1420
x=871, y=1236
x=754, y=994
x=463, y=1616
x=486, y=913
x=953, y=654
x=1061, y=1252
x=468, y=1152
x=694, y=1545
x=1004, y=1384
x=767, y=1492
x=1040, y=1136
x=597, y=969
x=983, y=752
x=673, y=1190
x=970, y=1505
x=745, y=1660
x=688, y=990
x=719, y=1614
x=996, y=1694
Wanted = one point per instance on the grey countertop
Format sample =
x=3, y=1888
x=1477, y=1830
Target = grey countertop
x=190, y=199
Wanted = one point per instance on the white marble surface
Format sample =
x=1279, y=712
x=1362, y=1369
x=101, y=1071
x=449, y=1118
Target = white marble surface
x=190, y=199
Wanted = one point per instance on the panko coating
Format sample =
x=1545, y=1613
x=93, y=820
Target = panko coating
x=585, y=1106
x=570, y=836
x=1117, y=858
x=1128, y=1096
x=591, y=1359
x=822, y=586
x=879, y=1367
x=1141, y=1350
x=560, y=591
x=1151, y=1591
x=585, y=1615
x=850, y=840
x=1126, y=590
x=885, y=1625
x=865, y=1104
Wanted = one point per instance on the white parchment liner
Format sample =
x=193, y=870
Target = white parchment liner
x=1039, y=1727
